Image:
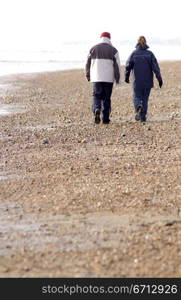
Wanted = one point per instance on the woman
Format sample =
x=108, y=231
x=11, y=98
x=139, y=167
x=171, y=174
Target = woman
x=143, y=65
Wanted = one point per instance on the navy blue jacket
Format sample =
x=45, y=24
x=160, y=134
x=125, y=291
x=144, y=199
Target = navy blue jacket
x=143, y=65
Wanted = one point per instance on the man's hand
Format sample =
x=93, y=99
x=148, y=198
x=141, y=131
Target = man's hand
x=160, y=83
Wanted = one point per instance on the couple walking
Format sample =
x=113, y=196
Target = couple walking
x=103, y=69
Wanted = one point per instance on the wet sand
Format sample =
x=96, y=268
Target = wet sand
x=85, y=200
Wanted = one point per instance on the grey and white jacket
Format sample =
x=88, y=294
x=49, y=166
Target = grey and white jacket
x=103, y=63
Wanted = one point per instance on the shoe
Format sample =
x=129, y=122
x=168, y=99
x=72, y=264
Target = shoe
x=97, y=116
x=106, y=121
x=138, y=112
x=143, y=119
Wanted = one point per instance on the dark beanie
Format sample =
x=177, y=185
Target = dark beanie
x=106, y=34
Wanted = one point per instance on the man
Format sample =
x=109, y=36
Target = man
x=143, y=64
x=102, y=69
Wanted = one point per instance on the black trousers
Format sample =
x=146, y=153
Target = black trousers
x=102, y=92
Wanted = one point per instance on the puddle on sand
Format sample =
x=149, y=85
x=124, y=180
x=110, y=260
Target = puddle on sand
x=41, y=127
x=76, y=232
x=4, y=88
x=17, y=176
x=8, y=109
x=4, y=138
x=64, y=233
x=6, y=206
x=169, y=117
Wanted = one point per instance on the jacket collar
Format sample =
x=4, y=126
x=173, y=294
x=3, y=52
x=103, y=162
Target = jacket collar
x=105, y=40
x=140, y=47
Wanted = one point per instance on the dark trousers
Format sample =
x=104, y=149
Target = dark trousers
x=102, y=92
x=141, y=97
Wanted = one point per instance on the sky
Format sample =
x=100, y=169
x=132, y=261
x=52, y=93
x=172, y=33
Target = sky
x=47, y=24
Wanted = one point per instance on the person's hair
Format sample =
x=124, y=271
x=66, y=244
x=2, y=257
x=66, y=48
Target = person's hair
x=142, y=40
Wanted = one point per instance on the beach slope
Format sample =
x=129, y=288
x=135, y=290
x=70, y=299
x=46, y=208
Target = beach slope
x=85, y=200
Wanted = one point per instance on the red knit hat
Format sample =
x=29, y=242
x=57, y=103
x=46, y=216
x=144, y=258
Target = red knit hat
x=106, y=34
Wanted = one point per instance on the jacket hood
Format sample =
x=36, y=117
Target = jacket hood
x=141, y=47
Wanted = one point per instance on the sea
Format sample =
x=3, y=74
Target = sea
x=71, y=55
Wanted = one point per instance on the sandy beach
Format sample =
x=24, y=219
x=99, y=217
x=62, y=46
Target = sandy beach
x=79, y=199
